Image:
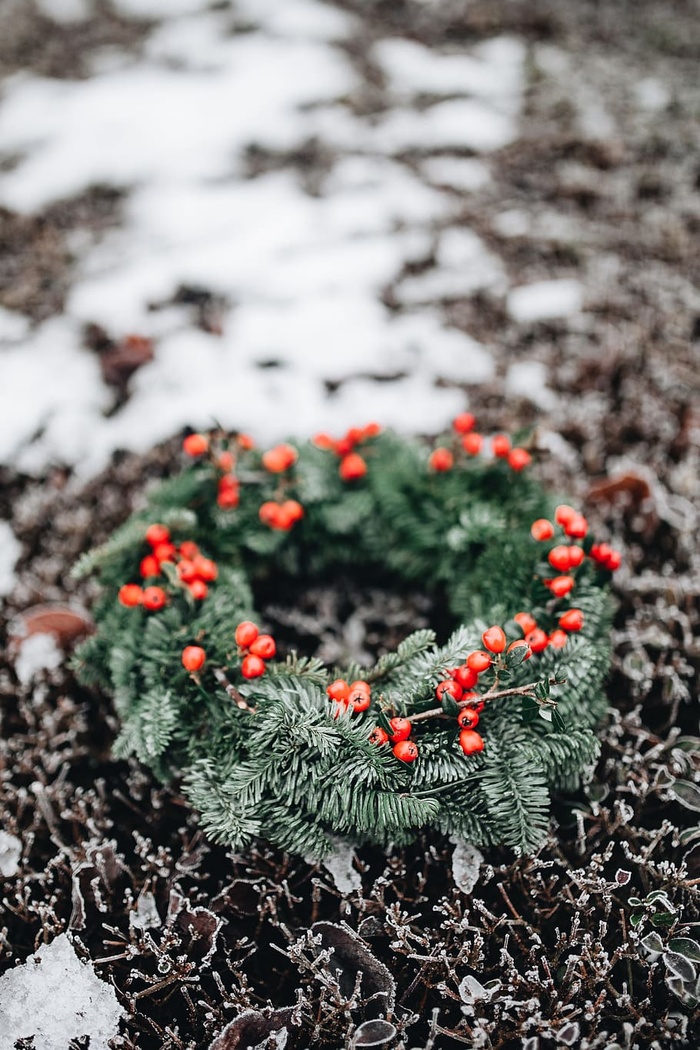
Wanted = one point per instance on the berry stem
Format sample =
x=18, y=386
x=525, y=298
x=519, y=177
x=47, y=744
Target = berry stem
x=230, y=688
x=520, y=690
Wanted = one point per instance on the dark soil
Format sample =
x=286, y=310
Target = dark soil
x=557, y=930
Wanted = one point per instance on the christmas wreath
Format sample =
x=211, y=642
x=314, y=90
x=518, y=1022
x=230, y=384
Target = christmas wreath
x=469, y=736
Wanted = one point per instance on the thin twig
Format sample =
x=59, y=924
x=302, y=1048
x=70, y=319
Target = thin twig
x=232, y=691
x=520, y=690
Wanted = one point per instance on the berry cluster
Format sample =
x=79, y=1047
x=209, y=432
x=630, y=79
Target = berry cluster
x=352, y=466
x=224, y=460
x=443, y=459
x=565, y=558
x=356, y=696
x=194, y=571
x=254, y=647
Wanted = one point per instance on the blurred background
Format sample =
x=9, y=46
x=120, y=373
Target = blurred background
x=289, y=215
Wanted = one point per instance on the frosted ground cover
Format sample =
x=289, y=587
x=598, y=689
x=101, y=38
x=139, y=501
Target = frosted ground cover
x=303, y=275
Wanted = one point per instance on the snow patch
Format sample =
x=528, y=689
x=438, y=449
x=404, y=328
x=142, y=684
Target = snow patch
x=340, y=866
x=65, y=11
x=466, y=863
x=10, y=550
x=55, y=998
x=529, y=379
x=38, y=652
x=300, y=275
x=10, y=852
x=458, y=173
x=652, y=94
x=545, y=299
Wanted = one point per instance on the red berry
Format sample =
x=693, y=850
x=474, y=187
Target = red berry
x=196, y=444
x=576, y=527
x=193, y=658
x=198, y=589
x=246, y=633
x=339, y=690
x=290, y=512
x=472, y=444
x=343, y=447
x=264, y=646
x=537, y=640
x=465, y=676
x=400, y=729
x=354, y=435
x=500, y=445
x=571, y=620
x=371, y=430
x=564, y=513
x=558, y=639
x=464, y=422
x=352, y=467
x=245, y=442
x=252, y=667
x=269, y=514
x=165, y=552
x=479, y=661
x=360, y=686
x=156, y=534
x=576, y=556
x=189, y=550
x=494, y=639
x=205, y=568
x=154, y=598
x=519, y=645
x=405, y=751
x=600, y=552
x=560, y=586
x=470, y=742
x=359, y=700
x=519, y=458
x=525, y=621
x=149, y=566
x=559, y=558
x=130, y=595
x=279, y=458
x=324, y=441
x=441, y=460
x=450, y=688
x=467, y=718
x=541, y=530
x=228, y=494
x=378, y=736
x=613, y=561
x=226, y=461
x=187, y=570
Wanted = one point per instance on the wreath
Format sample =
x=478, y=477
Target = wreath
x=469, y=736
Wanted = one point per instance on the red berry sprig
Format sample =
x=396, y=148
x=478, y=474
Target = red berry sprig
x=352, y=466
x=282, y=516
x=255, y=648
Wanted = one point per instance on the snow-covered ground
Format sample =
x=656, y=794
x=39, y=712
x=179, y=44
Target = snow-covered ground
x=302, y=274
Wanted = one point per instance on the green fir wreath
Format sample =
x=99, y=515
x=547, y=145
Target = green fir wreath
x=296, y=752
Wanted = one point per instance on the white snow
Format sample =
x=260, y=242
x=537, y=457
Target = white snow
x=466, y=864
x=529, y=379
x=303, y=274
x=55, y=997
x=544, y=300
x=10, y=550
x=652, y=94
x=464, y=174
x=340, y=866
x=38, y=652
x=65, y=11
x=10, y=852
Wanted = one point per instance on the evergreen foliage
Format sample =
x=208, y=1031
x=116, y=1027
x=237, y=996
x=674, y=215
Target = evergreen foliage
x=273, y=756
